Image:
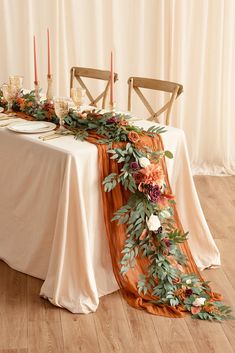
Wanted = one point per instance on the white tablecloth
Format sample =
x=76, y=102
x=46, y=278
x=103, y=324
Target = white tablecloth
x=51, y=221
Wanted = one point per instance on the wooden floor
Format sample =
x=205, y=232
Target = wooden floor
x=30, y=324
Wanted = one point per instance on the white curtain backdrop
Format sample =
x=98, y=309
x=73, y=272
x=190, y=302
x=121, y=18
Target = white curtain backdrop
x=188, y=41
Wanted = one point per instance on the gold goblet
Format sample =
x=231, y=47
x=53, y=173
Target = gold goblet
x=78, y=96
x=61, y=106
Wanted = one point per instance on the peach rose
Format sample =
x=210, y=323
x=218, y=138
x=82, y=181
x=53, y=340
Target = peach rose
x=153, y=174
x=123, y=123
x=195, y=310
x=133, y=136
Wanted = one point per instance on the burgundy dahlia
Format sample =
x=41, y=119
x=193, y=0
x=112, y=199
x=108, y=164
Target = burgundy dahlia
x=134, y=165
x=188, y=292
x=154, y=193
x=167, y=242
x=112, y=120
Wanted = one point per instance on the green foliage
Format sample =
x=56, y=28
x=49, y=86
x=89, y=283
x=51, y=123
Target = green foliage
x=163, y=277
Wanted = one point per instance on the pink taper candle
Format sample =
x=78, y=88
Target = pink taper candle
x=35, y=61
x=111, y=81
x=48, y=53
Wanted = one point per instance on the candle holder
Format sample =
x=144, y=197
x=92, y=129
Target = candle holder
x=36, y=89
x=49, y=94
x=112, y=107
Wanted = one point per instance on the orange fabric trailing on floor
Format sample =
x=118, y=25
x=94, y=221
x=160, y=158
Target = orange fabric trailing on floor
x=116, y=233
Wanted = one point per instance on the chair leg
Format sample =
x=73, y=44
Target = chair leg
x=173, y=97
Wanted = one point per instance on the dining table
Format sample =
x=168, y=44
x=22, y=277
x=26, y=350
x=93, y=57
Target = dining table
x=51, y=218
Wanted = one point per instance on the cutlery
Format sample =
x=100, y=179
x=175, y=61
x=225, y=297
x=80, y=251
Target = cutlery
x=51, y=137
x=46, y=135
x=7, y=117
x=5, y=124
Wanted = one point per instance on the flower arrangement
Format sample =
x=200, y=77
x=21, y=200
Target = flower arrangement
x=27, y=103
x=151, y=229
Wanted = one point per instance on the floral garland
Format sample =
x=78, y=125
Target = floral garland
x=149, y=212
x=26, y=103
x=148, y=215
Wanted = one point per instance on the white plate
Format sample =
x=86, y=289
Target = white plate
x=31, y=127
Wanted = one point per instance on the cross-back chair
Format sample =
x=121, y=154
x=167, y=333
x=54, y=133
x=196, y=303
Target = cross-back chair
x=175, y=89
x=79, y=73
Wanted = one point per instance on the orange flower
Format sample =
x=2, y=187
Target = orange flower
x=123, y=123
x=133, y=136
x=153, y=174
x=195, y=310
x=139, y=179
x=176, y=280
x=209, y=308
x=180, y=293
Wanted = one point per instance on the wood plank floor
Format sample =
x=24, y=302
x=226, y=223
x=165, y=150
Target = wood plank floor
x=29, y=324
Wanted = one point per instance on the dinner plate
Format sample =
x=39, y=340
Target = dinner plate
x=31, y=127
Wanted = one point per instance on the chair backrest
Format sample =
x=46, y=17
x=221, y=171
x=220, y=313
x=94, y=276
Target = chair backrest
x=79, y=73
x=175, y=89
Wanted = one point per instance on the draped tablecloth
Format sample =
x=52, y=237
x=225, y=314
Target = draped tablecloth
x=51, y=218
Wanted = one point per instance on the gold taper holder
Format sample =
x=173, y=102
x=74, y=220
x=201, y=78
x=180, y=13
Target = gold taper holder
x=49, y=94
x=111, y=107
x=36, y=89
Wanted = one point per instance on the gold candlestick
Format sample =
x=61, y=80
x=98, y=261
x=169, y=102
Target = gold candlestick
x=36, y=89
x=49, y=94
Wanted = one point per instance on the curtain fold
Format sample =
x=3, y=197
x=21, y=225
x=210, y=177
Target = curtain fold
x=187, y=41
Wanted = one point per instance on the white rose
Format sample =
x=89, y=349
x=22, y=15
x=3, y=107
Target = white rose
x=199, y=301
x=153, y=223
x=189, y=281
x=144, y=162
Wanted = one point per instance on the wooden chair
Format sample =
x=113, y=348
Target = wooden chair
x=175, y=89
x=81, y=72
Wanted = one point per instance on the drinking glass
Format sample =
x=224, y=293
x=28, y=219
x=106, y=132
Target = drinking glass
x=78, y=96
x=9, y=93
x=61, y=106
x=17, y=82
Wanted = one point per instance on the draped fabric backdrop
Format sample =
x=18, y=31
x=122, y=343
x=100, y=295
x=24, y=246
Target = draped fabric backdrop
x=188, y=41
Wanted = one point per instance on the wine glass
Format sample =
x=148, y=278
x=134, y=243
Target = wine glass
x=17, y=82
x=61, y=106
x=78, y=96
x=9, y=93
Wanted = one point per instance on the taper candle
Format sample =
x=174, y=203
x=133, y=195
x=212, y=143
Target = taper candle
x=35, y=61
x=48, y=53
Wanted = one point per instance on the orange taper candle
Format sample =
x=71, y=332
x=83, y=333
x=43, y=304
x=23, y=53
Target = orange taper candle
x=48, y=53
x=35, y=61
